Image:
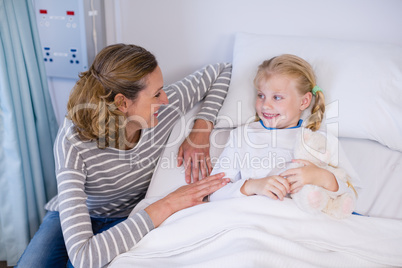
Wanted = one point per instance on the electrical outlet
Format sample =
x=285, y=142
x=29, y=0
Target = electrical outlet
x=64, y=30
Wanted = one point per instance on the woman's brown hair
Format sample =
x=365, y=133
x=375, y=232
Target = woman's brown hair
x=118, y=68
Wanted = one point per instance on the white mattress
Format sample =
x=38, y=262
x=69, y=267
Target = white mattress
x=380, y=170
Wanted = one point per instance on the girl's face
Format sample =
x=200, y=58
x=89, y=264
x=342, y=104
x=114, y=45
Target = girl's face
x=143, y=112
x=279, y=103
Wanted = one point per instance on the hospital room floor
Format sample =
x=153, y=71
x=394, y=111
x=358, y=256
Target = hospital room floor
x=3, y=264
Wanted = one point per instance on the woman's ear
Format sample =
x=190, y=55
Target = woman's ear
x=306, y=100
x=121, y=102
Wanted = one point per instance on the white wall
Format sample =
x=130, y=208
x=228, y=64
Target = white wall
x=59, y=89
x=187, y=34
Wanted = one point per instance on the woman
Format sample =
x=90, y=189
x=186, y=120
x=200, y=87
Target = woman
x=119, y=118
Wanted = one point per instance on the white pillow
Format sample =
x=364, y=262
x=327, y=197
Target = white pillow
x=362, y=83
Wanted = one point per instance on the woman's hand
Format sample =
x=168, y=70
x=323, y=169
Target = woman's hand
x=194, y=151
x=309, y=174
x=184, y=197
x=275, y=187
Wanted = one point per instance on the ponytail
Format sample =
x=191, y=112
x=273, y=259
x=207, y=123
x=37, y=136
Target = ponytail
x=317, y=112
x=93, y=111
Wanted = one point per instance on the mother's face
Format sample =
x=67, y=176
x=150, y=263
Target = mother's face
x=143, y=111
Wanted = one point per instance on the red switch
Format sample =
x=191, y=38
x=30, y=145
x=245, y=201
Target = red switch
x=42, y=11
x=70, y=13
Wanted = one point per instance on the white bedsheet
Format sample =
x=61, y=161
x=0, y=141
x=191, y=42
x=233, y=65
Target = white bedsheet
x=261, y=232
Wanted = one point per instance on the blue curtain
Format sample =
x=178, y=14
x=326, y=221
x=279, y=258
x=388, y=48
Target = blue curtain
x=27, y=130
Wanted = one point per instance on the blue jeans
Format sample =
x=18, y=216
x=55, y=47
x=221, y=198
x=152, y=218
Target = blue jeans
x=47, y=248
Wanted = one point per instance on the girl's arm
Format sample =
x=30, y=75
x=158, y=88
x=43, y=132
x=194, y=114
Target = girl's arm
x=310, y=174
x=275, y=187
x=334, y=177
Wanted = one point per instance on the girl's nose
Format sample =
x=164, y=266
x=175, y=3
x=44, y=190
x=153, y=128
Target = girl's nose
x=267, y=105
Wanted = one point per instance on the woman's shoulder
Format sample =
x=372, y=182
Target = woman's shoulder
x=66, y=129
x=68, y=134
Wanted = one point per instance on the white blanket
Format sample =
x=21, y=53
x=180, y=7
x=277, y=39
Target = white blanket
x=260, y=232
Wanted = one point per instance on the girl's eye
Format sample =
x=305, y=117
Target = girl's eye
x=260, y=96
x=158, y=95
x=276, y=97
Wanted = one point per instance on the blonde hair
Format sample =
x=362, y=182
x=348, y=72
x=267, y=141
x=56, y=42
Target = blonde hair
x=118, y=68
x=299, y=69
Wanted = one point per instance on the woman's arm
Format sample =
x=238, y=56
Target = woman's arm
x=184, y=197
x=85, y=249
x=211, y=84
x=194, y=151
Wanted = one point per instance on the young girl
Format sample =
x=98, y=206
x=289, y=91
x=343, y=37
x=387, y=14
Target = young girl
x=286, y=86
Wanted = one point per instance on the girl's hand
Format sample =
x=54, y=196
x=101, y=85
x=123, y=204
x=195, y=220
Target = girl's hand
x=194, y=151
x=184, y=197
x=309, y=174
x=275, y=187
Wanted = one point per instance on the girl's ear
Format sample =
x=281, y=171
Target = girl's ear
x=121, y=102
x=306, y=100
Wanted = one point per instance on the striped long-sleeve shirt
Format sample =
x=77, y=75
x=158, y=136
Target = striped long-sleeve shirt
x=108, y=183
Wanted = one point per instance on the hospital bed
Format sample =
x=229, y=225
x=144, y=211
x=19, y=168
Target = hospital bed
x=362, y=82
